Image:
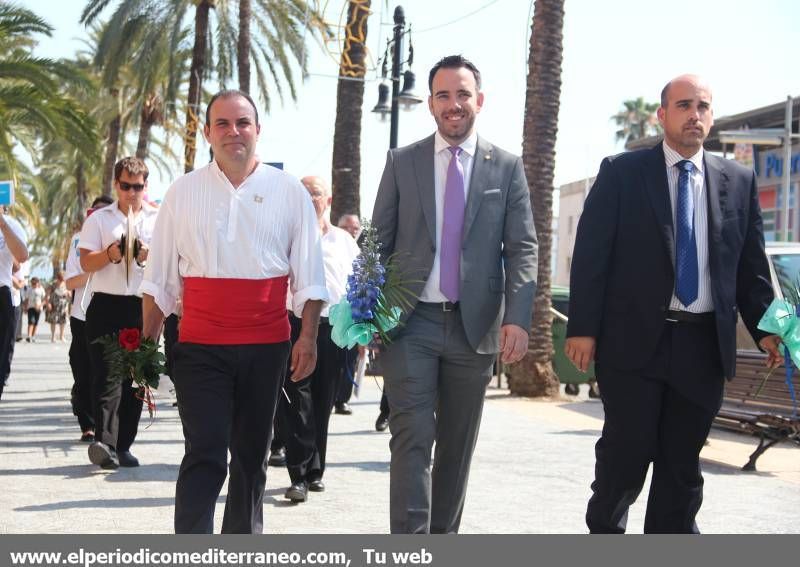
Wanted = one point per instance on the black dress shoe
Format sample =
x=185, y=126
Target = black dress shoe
x=382, y=422
x=298, y=492
x=316, y=485
x=126, y=459
x=103, y=456
x=277, y=458
x=343, y=408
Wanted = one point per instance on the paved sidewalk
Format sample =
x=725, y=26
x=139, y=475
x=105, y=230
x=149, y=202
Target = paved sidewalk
x=531, y=473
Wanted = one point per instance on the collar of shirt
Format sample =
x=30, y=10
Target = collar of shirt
x=214, y=167
x=671, y=157
x=113, y=209
x=468, y=146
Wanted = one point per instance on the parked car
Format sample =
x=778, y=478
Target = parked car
x=784, y=267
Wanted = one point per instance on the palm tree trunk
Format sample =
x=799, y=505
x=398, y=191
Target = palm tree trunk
x=112, y=145
x=243, y=45
x=535, y=375
x=346, y=174
x=151, y=114
x=196, y=82
x=81, y=189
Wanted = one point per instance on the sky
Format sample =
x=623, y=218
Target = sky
x=614, y=50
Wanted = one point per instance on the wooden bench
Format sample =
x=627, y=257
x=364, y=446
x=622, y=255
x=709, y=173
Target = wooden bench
x=767, y=414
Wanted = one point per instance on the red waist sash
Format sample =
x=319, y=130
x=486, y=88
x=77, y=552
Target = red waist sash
x=227, y=311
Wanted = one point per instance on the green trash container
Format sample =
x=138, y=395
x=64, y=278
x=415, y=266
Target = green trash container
x=567, y=373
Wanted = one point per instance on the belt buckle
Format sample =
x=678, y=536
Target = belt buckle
x=447, y=306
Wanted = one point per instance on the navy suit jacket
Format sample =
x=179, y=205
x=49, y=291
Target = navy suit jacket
x=623, y=275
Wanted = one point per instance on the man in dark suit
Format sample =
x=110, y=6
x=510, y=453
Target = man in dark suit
x=669, y=251
x=455, y=211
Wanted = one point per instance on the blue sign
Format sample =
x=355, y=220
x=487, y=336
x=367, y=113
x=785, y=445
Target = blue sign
x=6, y=192
x=773, y=165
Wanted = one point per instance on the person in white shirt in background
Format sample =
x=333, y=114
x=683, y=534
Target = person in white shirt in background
x=34, y=299
x=231, y=238
x=303, y=419
x=79, y=362
x=115, y=304
x=13, y=250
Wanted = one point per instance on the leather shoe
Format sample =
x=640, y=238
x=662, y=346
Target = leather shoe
x=126, y=459
x=277, y=458
x=316, y=485
x=103, y=456
x=382, y=422
x=87, y=437
x=298, y=492
x=343, y=408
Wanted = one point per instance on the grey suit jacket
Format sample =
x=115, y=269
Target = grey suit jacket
x=499, y=255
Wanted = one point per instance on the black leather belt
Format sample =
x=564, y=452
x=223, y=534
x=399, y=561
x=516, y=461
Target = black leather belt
x=688, y=317
x=445, y=306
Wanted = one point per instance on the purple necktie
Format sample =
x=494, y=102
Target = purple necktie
x=452, y=228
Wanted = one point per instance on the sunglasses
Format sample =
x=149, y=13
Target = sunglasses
x=138, y=187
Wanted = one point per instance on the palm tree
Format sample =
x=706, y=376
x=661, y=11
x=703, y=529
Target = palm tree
x=534, y=375
x=33, y=106
x=637, y=119
x=346, y=169
x=277, y=38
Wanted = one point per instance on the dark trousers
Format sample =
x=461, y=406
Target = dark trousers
x=435, y=383
x=7, y=327
x=344, y=390
x=81, y=366
x=170, y=340
x=116, y=407
x=226, y=399
x=662, y=415
x=304, y=418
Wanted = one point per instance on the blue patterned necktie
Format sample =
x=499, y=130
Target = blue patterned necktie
x=686, y=244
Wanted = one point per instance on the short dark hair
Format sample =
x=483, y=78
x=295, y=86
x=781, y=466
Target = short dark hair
x=226, y=93
x=102, y=200
x=454, y=62
x=133, y=165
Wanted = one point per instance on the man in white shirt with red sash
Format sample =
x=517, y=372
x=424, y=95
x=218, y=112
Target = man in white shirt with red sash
x=231, y=239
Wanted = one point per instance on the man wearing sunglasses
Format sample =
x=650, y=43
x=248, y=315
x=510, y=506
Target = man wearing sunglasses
x=115, y=304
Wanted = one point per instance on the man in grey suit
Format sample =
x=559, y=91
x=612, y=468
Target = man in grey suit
x=455, y=211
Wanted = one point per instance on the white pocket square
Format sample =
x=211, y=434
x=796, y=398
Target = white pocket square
x=492, y=192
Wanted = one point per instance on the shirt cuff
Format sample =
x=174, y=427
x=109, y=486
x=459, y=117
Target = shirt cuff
x=165, y=301
x=314, y=292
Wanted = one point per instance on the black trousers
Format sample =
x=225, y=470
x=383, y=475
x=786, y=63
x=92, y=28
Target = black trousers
x=8, y=325
x=81, y=366
x=226, y=399
x=662, y=415
x=304, y=418
x=345, y=389
x=170, y=340
x=116, y=408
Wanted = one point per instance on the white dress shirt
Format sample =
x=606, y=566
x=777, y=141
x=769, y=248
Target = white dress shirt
x=697, y=182
x=6, y=259
x=207, y=228
x=104, y=227
x=73, y=268
x=441, y=161
x=339, y=249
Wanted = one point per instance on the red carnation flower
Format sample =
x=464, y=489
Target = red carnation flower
x=130, y=339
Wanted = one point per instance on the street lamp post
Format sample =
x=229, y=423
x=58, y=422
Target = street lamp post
x=406, y=95
x=772, y=137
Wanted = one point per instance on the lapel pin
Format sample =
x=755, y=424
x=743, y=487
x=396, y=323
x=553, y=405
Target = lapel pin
x=487, y=156
x=258, y=198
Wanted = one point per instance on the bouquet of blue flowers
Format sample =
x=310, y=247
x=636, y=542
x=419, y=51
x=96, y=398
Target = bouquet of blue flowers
x=377, y=296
